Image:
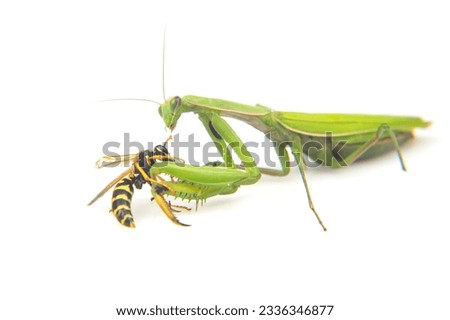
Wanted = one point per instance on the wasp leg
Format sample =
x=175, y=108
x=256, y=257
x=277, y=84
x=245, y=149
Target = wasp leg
x=153, y=181
x=158, y=192
x=172, y=206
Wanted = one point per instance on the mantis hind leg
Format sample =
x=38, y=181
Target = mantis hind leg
x=379, y=135
x=298, y=155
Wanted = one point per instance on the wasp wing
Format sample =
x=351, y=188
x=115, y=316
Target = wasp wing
x=114, y=161
x=111, y=184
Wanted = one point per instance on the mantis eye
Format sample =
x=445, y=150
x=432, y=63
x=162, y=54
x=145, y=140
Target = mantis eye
x=175, y=103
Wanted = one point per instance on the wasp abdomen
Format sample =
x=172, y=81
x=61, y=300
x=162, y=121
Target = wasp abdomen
x=121, y=202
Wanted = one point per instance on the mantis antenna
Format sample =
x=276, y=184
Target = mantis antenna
x=130, y=99
x=164, y=64
x=163, y=80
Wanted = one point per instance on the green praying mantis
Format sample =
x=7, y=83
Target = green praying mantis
x=360, y=136
x=309, y=136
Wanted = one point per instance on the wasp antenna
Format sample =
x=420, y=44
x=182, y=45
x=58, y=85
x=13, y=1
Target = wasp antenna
x=130, y=99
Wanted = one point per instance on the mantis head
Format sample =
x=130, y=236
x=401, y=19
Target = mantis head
x=171, y=111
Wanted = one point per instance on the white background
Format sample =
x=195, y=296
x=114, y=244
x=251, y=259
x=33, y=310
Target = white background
x=386, y=252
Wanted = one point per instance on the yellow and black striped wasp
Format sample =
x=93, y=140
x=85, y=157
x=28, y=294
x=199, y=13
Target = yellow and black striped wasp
x=136, y=176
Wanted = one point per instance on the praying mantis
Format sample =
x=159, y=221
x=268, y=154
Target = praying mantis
x=360, y=136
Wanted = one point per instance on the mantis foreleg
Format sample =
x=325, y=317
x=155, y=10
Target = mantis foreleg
x=224, y=136
x=194, y=183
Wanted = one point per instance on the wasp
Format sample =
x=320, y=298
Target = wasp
x=135, y=177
